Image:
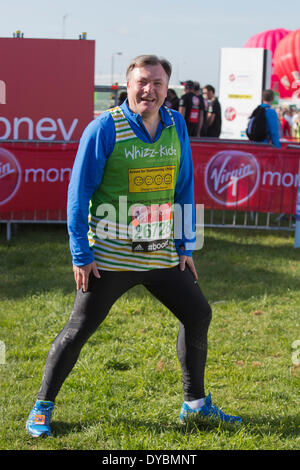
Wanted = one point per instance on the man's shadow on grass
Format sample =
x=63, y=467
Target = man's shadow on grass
x=259, y=425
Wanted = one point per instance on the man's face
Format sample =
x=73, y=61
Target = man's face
x=208, y=94
x=147, y=89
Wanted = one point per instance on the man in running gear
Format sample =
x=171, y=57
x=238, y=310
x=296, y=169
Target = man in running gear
x=138, y=153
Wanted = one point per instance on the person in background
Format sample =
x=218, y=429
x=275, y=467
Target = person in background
x=286, y=128
x=297, y=127
x=203, y=132
x=198, y=92
x=280, y=128
x=214, y=119
x=189, y=107
x=288, y=115
x=122, y=97
x=294, y=125
x=271, y=118
x=172, y=100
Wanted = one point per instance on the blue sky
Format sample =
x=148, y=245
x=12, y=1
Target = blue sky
x=189, y=33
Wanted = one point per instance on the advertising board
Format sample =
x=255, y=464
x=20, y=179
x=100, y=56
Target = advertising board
x=46, y=88
x=244, y=73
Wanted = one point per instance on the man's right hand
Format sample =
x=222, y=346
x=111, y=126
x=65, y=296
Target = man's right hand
x=82, y=273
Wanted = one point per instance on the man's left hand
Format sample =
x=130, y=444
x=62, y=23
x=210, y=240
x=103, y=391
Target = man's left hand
x=188, y=261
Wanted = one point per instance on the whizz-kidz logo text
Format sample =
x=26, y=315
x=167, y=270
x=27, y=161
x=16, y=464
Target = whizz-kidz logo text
x=151, y=223
x=232, y=177
x=135, y=152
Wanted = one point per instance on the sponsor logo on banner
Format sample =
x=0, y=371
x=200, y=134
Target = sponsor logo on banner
x=230, y=113
x=10, y=175
x=232, y=177
x=44, y=129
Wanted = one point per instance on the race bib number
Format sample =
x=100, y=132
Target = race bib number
x=151, y=227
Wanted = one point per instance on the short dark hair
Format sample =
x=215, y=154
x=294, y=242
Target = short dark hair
x=209, y=88
x=143, y=60
x=172, y=91
x=268, y=95
x=196, y=86
x=189, y=85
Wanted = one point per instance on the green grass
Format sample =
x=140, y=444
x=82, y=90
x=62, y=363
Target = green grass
x=125, y=390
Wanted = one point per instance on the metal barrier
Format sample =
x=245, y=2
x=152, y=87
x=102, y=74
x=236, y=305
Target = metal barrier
x=113, y=91
x=212, y=219
x=248, y=220
x=11, y=224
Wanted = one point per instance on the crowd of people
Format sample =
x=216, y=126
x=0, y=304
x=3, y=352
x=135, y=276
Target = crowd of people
x=289, y=122
x=202, y=112
x=200, y=108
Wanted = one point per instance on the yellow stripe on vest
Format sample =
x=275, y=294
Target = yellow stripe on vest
x=123, y=129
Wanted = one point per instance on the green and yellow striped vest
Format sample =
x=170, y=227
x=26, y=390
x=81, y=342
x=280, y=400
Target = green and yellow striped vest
x=130, y=217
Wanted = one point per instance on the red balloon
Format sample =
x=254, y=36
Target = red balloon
x=287, y=62
x=269, y=40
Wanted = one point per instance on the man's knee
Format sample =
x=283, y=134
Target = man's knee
x=75, y=334
x=208, y=314
x=200, y=319
x=203, y=320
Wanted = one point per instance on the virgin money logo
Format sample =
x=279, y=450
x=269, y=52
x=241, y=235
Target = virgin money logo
x=10, y=175
x=232, y=177
x=230, y=114
x=232, y=77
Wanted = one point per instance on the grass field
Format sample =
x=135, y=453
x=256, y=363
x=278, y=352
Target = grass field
x=125, y=390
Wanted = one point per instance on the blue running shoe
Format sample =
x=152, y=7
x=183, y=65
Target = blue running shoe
x=38, y=423
x=208, y=409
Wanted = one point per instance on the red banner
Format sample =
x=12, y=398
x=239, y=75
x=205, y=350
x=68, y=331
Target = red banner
x=245, y=176
x=46, y=95
x=46, y=88
x=34, y=178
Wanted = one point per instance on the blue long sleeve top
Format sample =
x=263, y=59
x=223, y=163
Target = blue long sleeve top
x=95, y=147
x=272, y=125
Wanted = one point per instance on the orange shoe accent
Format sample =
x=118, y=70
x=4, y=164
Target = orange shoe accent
x=39, y=419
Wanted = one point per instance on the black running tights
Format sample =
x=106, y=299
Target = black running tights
x=176, y=289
